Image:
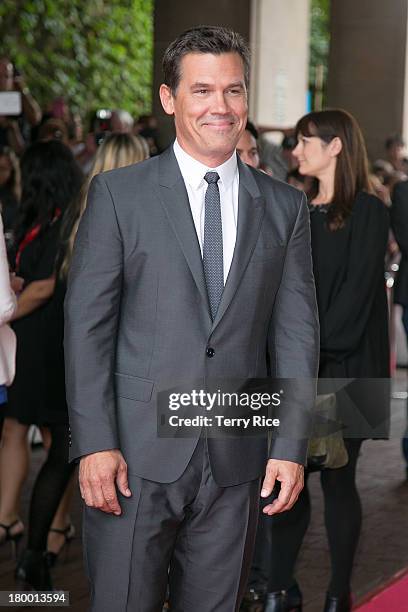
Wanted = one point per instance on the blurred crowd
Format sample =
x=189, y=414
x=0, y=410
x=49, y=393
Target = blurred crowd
x=48, y=158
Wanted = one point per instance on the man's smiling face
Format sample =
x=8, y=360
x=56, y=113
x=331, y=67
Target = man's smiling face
x=210, y=105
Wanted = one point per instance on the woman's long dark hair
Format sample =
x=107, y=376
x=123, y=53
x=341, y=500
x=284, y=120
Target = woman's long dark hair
x=51, y=180
x=13, y=184
x=351, y=174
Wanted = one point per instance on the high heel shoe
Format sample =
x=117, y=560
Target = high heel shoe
x=32, y=571
x=14, y=538
x=338, y=604
x=284, y=601
x=68, y=533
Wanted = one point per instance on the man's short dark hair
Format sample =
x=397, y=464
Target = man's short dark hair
x=203, y=39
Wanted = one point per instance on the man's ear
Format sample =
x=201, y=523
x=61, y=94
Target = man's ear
x=166, y=98
x=335, y=146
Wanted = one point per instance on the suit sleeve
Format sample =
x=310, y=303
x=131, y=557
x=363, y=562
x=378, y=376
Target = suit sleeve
x=293, y=343
x=92, y=307
x=345, y=321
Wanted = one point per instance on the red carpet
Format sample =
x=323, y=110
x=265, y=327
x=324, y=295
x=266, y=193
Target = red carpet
x=393, y=597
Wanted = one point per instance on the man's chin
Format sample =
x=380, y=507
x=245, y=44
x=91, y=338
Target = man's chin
x=222, y=142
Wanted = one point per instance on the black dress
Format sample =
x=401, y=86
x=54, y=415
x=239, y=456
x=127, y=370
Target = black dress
x=350, y=287
x=353, y=313
x=37, y=395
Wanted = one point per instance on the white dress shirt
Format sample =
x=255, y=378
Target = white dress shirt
x=193, y=173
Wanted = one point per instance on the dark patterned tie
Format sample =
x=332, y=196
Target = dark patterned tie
x=213, y=260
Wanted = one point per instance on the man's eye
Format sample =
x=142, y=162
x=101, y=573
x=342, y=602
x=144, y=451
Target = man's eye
x=201, y=91
x=234, y=92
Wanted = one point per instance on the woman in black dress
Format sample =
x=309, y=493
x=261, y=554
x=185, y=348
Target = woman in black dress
x=51, y=181
x=349, y=230
x=116, y=151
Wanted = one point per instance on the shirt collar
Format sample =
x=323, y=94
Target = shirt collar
x=193, y=171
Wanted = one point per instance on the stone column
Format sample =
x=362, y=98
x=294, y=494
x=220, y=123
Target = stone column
x=280, y=31
x=368, y=66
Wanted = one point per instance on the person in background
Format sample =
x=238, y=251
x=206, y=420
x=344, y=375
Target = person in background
x=10, y=188
x=50, y=182
x=399, y=223
x=381, y=191
x=116, y=151
x=277, y=160
x=247, y=147
x=76, y=134
x=53, y=129
x=146, y=126
x=8, y=306
x=121, y=122
x=395, y=155
x=349, y=229
x=15, y=131
x=59, y=109
x=384, y=170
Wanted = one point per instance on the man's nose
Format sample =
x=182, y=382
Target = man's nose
x=220, y=104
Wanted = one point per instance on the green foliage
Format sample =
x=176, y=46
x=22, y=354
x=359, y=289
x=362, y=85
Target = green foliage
x=96, y=54
x=319, y=37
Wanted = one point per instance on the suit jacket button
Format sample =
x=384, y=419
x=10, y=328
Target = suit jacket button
x=210, y=352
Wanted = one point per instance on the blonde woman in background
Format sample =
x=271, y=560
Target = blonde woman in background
x=116, y=151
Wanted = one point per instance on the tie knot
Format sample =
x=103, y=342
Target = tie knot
x=212, y=177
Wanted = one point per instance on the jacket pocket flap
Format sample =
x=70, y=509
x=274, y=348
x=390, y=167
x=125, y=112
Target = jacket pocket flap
x=134, y=388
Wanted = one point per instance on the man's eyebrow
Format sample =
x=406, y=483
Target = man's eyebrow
x=236, y=84
x=200, y=85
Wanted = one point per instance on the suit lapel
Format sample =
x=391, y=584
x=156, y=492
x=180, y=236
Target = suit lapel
x=251, y=208
x=174, y=199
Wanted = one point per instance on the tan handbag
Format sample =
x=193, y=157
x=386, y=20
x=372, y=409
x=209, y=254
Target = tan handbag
x=326, y=446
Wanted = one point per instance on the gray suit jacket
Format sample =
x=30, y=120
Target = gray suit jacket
x=138, y=320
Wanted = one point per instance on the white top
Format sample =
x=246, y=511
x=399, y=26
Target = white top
x=8, y=305
x=193, y=173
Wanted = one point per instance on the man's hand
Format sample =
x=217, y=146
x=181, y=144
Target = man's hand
x=98, y=474
x=291, y=477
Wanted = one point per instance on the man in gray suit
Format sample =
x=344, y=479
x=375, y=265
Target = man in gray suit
x=187, y=267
